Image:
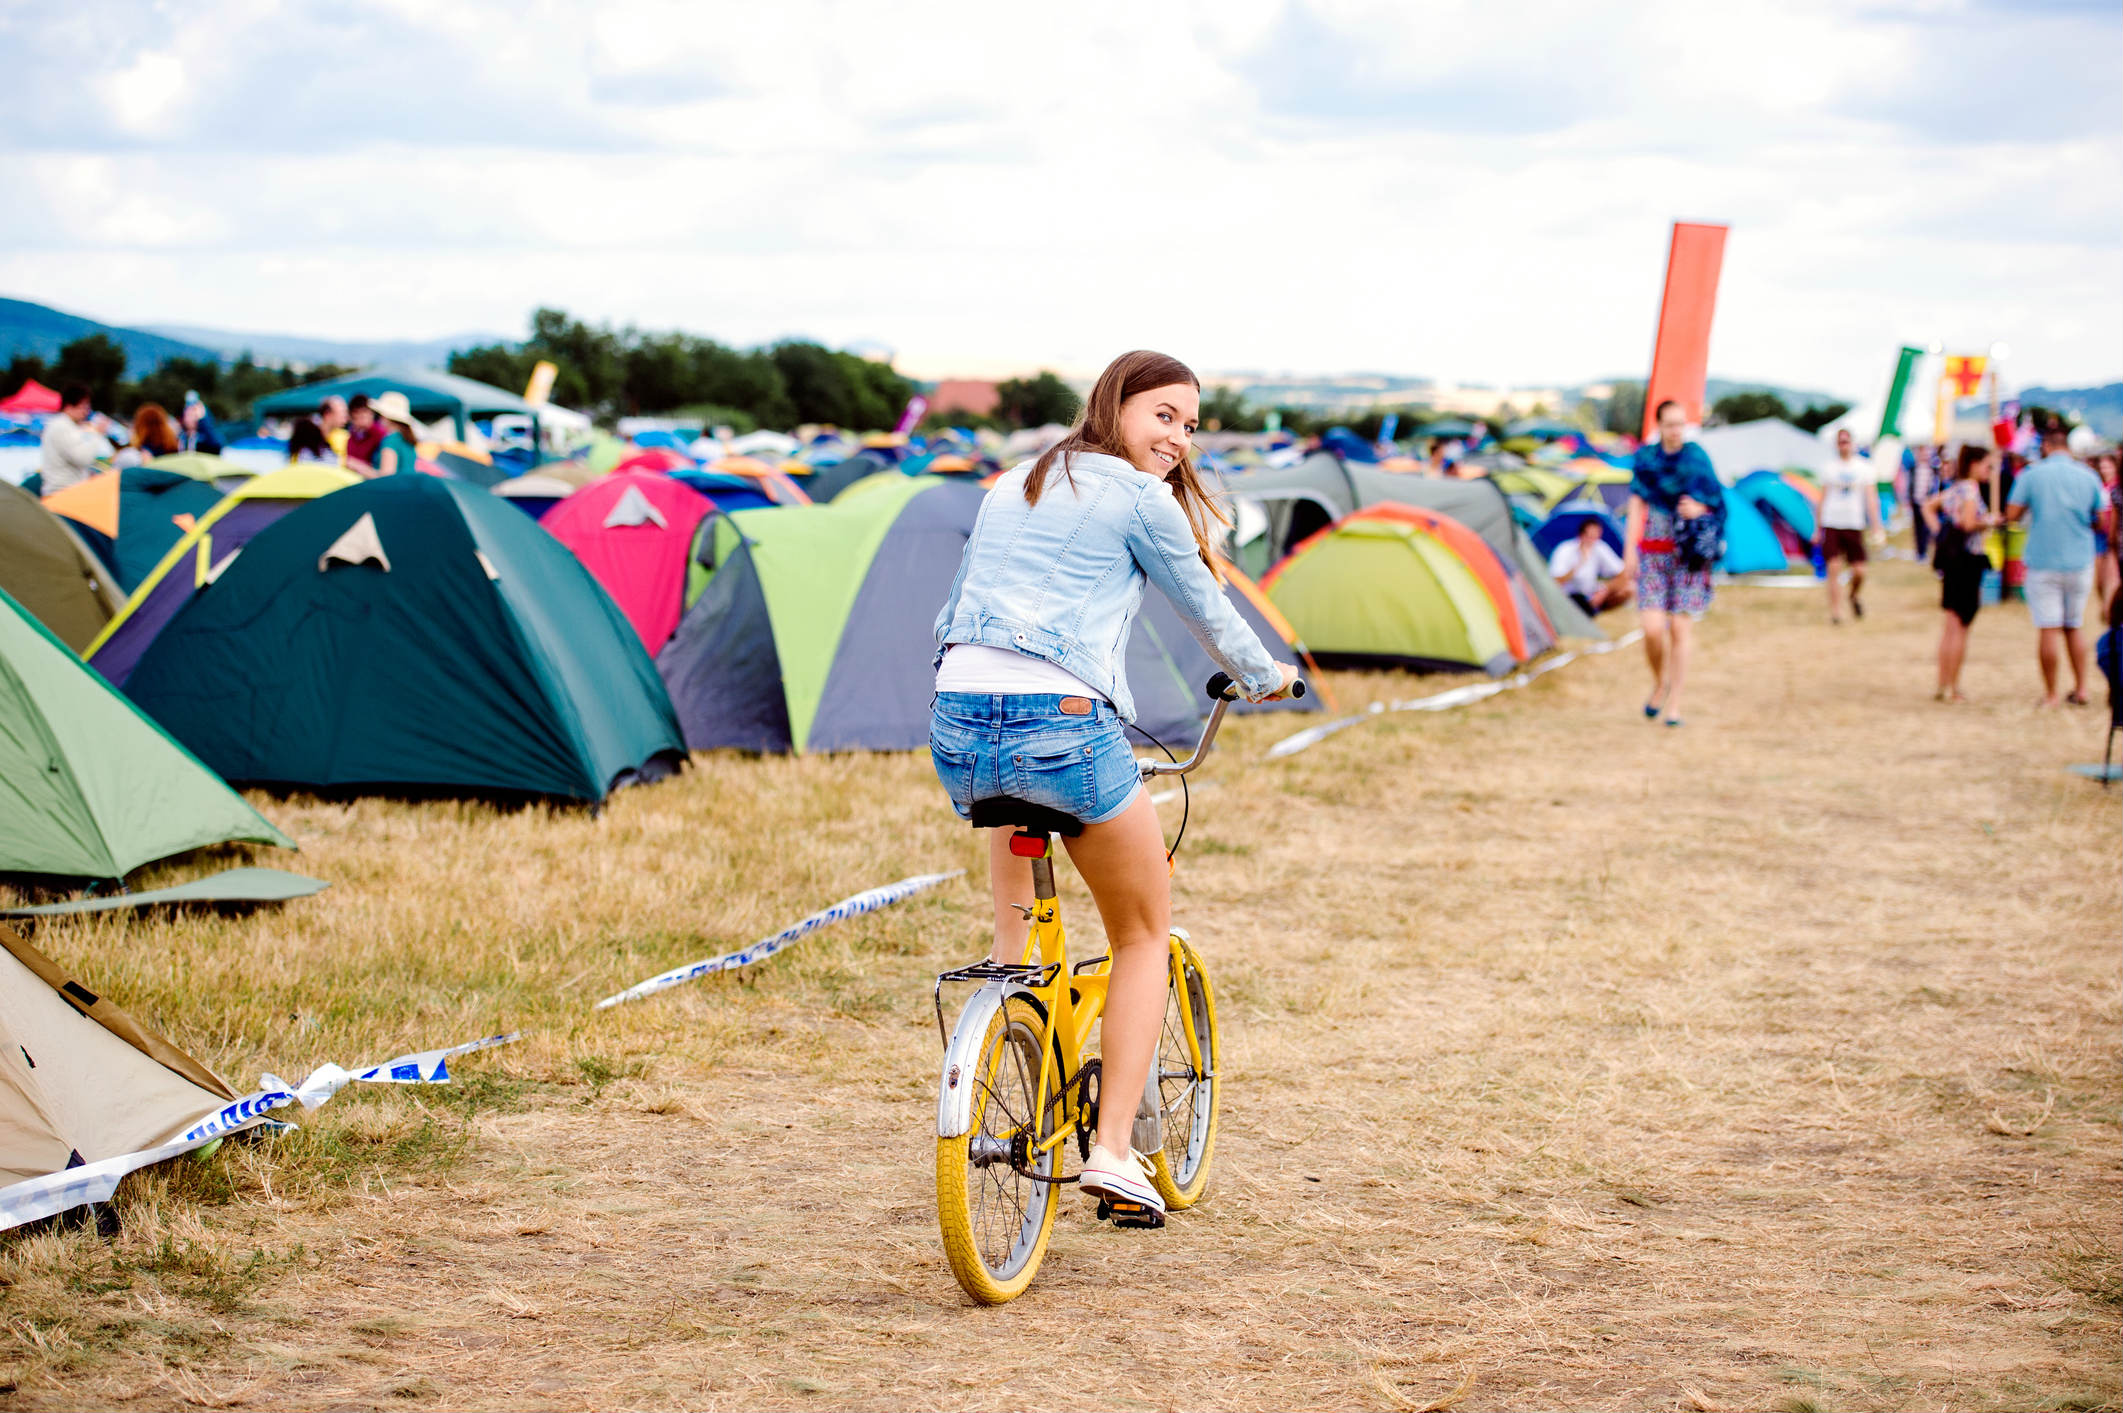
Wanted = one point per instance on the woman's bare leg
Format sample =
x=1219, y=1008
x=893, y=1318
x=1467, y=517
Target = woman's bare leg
x=1653, y=622
x=1123, y=863
x=1677, y=662
x=1010, y=878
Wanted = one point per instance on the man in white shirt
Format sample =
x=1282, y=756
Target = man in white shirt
x=1588, y=569
x=1850, y=505
x=70, y=447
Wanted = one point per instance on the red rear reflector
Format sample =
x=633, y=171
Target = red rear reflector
x=1028, y=846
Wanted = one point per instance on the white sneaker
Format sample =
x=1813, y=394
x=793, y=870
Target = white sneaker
x=1120, y=1179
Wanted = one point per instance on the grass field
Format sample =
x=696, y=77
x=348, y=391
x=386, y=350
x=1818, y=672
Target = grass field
x=1572, y=1062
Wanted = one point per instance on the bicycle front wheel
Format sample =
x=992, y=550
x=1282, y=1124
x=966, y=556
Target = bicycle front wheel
x=995, y=1219
x=1186, y=1081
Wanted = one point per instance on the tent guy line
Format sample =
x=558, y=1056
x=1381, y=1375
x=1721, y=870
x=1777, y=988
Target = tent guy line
x=884, y=895
x=95, y=1182
x=1445, y=701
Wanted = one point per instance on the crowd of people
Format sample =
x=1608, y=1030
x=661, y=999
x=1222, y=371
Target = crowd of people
x=367, y=436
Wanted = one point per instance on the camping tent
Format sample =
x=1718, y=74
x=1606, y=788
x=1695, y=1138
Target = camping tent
x=810, y=627
x=31, y=398
x=1751, y=543
x=431, y=395
x=1384, y=587
x=81, y=1080
x=411, y=632
x=1298, y=501
x=634, y=531
x=1784, y=506
x=534, y=494
x=130, y=518
x=197, y=559
x=1568, y=522
x=44, y=564
x=89, y=787
x=1770, y=444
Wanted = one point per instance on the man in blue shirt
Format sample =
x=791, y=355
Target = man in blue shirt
x=2059, y=499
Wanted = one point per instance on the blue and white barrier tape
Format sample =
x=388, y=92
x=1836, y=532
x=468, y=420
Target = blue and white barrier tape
x=879, y=897
x=1445, y=701
x=95, y=1182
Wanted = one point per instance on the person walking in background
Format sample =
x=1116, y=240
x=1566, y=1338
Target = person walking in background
x=332, y=420
x=1958, y=515
x=1924, y=483
x=1588, y=569
x=71, y=446
x=364, y=434
x=2107, y=568
x=399, y=450
x=2060, y=500
x=153, y=434
x=1850, y=505
x=1672, y=482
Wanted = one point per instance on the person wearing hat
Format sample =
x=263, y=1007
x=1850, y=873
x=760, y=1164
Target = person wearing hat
x=395, y=414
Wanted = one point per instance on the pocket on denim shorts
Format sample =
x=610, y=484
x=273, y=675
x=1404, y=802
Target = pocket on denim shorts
x=954, y=770
x=1058, y=771
x=1114, y=772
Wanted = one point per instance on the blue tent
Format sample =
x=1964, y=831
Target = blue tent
x=1751, y=544
x=1565, y=524
x=1778, y=499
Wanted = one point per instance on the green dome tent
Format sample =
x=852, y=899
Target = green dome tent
x=51, y=572
x=89, y=787
x=411, y=633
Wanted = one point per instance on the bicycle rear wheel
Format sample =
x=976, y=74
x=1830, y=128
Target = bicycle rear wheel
x=995, y=1220
x=1187, y=1092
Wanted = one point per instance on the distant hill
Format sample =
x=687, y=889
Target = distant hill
x=2099, y=408
x=1797, y=399
x=308, y=352
x=41, y=330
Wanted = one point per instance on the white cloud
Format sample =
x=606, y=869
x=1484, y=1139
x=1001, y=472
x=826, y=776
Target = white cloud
x=1472, y=190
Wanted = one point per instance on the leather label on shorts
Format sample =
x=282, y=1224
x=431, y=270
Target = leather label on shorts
x=1076, y=706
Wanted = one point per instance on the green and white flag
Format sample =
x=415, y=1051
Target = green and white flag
x=1904, y=369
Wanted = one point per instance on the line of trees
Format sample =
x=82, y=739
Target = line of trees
x=97, y=361
x=1754, y=406
x=611, y=372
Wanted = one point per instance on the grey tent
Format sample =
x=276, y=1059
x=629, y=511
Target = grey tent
x=50, y=572
x=1298, y=501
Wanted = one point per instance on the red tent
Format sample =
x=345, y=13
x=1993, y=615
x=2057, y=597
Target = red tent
x=32, y=396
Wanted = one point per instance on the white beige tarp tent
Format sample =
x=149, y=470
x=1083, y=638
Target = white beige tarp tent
x=80, y=1080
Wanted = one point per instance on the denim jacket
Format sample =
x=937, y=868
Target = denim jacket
x=1062, y=580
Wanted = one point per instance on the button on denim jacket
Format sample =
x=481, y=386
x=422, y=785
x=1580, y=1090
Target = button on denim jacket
x=1062, y=580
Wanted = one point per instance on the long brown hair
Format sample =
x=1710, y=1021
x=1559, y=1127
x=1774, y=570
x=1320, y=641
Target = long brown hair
x=1098, y=429
x=1972, y=456
x=153, y=432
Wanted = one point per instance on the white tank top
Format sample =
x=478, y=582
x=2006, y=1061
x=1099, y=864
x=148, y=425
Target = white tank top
x=970, y=667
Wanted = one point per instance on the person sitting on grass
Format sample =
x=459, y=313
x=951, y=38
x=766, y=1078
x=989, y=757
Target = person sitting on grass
x=1588, y=569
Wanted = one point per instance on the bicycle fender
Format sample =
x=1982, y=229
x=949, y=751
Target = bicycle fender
x=954, y=1089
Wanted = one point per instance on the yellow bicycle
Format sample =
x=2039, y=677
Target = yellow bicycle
x=1016, y=1085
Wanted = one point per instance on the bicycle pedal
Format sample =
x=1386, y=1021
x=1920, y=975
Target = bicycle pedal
x=1131, y=1214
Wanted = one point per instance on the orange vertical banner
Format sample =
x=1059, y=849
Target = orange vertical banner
x=1680, y=360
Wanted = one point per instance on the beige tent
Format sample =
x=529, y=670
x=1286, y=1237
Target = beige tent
x=80, y=1080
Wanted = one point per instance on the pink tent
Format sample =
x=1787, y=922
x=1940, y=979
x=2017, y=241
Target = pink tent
x=633, y=530
x=32, y=396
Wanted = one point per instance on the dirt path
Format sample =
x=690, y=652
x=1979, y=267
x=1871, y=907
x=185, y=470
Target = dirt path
x=1574, y=1062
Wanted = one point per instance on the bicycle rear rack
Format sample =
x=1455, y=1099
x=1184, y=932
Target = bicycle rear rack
x=1035, y=977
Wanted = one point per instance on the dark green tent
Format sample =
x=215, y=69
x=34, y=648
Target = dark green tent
x=1299, y=501
x=411, y=633
x=431, y=395
x=130, y=518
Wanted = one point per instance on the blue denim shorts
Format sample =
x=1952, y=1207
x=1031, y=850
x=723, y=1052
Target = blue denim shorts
x=1027, y=747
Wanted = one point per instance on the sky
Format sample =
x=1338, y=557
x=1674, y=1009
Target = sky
x=1477, y=192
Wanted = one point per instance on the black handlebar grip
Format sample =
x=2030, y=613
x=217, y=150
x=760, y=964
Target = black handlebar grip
x=1220, y=686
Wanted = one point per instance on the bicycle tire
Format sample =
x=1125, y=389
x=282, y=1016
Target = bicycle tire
x=1187, y=1100
x=995, y=1221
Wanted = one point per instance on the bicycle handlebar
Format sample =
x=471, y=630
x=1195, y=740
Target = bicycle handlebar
x=1223, y=691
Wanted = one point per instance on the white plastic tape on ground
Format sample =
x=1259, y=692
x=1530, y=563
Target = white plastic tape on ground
x=54, y=1193
x=1446, y=701
x=867, y=902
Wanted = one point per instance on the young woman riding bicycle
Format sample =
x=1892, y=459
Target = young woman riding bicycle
x=1031, y=695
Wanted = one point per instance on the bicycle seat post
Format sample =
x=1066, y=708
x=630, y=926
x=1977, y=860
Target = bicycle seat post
x=1038, y=847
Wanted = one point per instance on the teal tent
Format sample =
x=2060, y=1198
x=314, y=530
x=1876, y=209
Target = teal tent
x=89, y=787
x=411, y=633
x=431, y=395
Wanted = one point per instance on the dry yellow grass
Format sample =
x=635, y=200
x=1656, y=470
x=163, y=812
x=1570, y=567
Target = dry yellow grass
x=1573, y=1062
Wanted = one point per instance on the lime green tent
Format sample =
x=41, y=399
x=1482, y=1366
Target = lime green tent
x=1380, y=589
x=90, y=787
